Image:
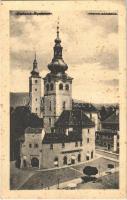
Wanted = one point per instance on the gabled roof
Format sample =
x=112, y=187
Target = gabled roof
x=73, y=118
x=112, y=119
x=86, y=107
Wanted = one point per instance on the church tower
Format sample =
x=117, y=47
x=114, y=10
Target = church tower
x=57, y=88
x=35, y=89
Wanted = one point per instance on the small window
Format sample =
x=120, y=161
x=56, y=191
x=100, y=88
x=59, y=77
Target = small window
x=35, y=89
x=36, y=99
x=30, y=145
x=64, y=105
x=88, y=140
x=36, y=145
x=35, y=81
x=50, y=106
x=36, y=109
x=51, y=146
x=80, y=143
x=66, y=87
x=47, y=87
x=50, y=121
x=76, y=144
x=61, y=86
x=63, y=145
x=88, y=130
x=51, y=86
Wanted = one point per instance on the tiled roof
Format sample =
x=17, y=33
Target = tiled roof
x=86, y=107
x=33, y=130
x=70, y=118
x=51, y=138
x=112, y=119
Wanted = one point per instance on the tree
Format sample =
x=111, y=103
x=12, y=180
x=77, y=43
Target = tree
x=89, y=171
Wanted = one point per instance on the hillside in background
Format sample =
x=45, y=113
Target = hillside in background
x=19, y=99
x=22, y=99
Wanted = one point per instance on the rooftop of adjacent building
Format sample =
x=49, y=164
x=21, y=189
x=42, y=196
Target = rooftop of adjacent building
x=74, y=119
x=112, y=119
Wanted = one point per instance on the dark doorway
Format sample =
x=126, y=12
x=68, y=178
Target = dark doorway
x=35, y=162
x=65, y=160
x=92, y=154
x=72, y=161
x=87, y=157
x=79, y=157
x=109, y=146
x=24, y=163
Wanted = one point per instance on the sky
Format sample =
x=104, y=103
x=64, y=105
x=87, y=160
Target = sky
x=90, y=49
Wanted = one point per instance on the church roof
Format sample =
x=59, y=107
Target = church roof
x=51, y=138
x=57, y=64
x=70, y=118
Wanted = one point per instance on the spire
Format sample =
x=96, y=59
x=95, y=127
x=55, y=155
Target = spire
x=58, y=29
x=57, y=65
x=35, y=71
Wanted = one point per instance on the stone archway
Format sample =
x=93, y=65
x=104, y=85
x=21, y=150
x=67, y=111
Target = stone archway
x=35, y=162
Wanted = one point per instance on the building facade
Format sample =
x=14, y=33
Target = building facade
x=108, y=136
x=68, y=135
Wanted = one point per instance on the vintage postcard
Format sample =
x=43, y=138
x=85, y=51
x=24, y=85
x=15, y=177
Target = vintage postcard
x=63, y=89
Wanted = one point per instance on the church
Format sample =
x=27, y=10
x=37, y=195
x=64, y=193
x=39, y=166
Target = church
x=68, y=133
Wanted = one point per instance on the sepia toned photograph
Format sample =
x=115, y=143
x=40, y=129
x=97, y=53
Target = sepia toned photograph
x=64, y=100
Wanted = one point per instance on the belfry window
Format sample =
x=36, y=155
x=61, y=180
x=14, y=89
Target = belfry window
x=66, y=87
x=47, y=87
x=51, y=86
x=61, y=86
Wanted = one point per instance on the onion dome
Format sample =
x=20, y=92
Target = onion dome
x=57, y=65
x=35, y=71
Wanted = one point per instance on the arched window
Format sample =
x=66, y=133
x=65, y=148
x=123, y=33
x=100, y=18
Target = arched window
x=56, y=161
x=61, y=86
x=47, y=87
x=67, y=87
x=51, y=86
